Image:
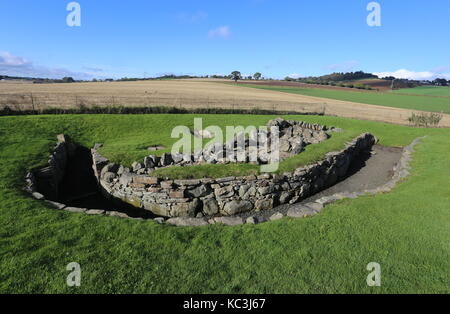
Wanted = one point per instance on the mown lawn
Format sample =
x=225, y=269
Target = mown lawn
x=386, y=99
x=406, y=231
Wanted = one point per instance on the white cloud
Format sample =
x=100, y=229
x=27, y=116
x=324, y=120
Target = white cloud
x=18, y=66
x=412, y=75
x=220, y=32
x=295, y=75
x=9, y=60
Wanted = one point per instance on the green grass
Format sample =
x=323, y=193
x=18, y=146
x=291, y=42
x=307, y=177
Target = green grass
x=126, y=141
x=441, y=91
x=387, y=99
x=311, y=154
x=406, y=231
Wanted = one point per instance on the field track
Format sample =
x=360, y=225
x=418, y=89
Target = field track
x=188, y=94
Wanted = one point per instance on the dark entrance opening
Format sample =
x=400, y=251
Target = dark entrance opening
x=79, y=188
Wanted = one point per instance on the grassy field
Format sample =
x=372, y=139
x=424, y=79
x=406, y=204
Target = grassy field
x=415, y=102
x=441, y=91
x=406, y=231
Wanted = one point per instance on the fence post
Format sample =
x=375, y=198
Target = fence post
x=32, y=101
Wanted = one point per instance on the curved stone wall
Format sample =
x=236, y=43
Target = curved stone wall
x=65, y=148
x=225, y=196
x=47, y=180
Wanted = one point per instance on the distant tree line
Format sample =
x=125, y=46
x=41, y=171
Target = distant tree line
x=348, y=76
x=414, y=83
x=441, y=82
x=336, y=77
x=163, y=77
x=38, y=79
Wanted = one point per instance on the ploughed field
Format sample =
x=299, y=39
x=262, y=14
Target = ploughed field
x=406, y=231
x=191, y=94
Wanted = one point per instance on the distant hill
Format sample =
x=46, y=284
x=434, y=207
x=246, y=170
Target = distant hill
x=360, y=80
x=339, y=77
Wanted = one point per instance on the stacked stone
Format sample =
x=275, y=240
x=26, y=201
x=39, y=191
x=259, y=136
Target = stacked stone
x=47, y=179
x=294, y=137
x=210, y=205
x=232, y=195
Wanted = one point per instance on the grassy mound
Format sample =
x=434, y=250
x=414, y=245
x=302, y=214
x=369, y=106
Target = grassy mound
x=406, y=231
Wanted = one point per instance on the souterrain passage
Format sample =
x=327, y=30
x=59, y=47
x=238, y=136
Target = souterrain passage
x=370, y=171
x=208, y=197
x=197, y=93
x=404, y=226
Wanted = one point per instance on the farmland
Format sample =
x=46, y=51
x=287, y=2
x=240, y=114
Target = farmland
x=406, y=230
x=384, y=107
x=438, y=91
x=388, y=99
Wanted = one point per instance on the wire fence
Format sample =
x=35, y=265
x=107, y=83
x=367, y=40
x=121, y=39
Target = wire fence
x=42, y=101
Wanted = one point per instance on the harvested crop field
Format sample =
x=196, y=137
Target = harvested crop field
x=188, y=94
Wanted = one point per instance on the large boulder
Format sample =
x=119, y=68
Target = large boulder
x=236, y=207
x=229, y=221
x=185, y=209
x=199, y=191
x=210, y=207
x=187, y=222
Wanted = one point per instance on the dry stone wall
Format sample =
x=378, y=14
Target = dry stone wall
x=257, y=146
x=64, y=148
x=225, y=196
x=47, y=180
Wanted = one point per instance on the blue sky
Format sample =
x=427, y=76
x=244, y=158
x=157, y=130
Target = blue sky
x=275, y=37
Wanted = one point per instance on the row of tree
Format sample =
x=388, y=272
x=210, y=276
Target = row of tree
x=441, y=82
x=236, y=75
x=37, y=79
x=337, y=77
x=436, y=82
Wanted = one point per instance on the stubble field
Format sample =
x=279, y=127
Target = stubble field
x=189, y=94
